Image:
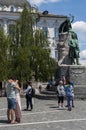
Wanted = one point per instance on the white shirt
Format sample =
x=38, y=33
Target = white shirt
x=28, y=88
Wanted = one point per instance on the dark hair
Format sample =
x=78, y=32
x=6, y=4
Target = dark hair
x=29, y=82
x=68, y=82
x=19, y=83
x=13, y=78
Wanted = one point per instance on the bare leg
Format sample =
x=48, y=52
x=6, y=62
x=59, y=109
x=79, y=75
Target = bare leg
x=8, y=115
x=12, y=116
x=61, y=104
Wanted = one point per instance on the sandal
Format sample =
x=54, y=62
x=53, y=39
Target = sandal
x=14, y=122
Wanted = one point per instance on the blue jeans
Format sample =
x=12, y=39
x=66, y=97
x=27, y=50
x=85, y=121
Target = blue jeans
x=29, y=101
x=69, y=101
x=11, y=103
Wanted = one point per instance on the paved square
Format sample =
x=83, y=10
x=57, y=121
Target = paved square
x=46, y=116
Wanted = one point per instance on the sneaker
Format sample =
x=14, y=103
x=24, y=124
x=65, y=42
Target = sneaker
x=59, y=107
x=25, y=109
x=66, y=106
x=30, y=109
x=69, y=108
x=62, y=106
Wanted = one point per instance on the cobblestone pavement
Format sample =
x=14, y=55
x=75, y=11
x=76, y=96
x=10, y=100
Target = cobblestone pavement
x=46, y=116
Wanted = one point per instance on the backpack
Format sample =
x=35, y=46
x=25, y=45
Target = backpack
x=33, y=92
x=30, y=92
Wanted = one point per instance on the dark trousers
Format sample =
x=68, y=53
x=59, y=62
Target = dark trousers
x=69, y=101
x=29, y=102
x=60, y=99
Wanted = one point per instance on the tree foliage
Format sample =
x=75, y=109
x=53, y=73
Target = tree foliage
x=27, y=52
x=42, y=64
x=4, y=48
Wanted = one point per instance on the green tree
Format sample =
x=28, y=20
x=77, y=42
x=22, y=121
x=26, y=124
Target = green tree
x=41, y=62
x=4, y=48
x=20, y=48
x=29, y=50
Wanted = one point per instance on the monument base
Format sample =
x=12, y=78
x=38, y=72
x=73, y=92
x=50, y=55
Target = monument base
x=76, y=73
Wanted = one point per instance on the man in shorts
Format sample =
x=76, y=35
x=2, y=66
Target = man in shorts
x=11, y=100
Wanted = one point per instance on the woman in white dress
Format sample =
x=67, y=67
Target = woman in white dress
x=18, y=113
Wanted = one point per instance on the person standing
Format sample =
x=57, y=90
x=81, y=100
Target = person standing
x=69, y=94
x=29, y=95
x=72, y=83
x=11, y=100
x=61, y=94
x=18, y=113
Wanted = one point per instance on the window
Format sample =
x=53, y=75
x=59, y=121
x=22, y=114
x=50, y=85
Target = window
x=12, y=9
x=53, y=45
x=56, y=54
x=45, y=29
x=0, y=7
x=11, y=31
x=56, y=32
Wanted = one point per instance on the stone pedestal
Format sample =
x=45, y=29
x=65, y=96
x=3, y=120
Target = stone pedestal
x=76, y=73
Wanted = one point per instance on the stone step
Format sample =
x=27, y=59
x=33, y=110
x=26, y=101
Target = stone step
x=54, y=97
x=82, y=97
x=48, y=92
x=46, y=97
x=80, y=93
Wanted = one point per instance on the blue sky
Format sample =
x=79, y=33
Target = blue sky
x=66, y=7
x=77, y=8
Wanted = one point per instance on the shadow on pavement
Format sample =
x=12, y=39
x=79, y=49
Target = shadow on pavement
x=3, y=121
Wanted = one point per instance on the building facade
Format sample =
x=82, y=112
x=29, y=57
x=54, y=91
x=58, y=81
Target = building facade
x=50, y=24
x=10, y=12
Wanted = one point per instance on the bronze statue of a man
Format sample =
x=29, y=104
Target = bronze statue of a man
x=73, y=47
x=68, y=48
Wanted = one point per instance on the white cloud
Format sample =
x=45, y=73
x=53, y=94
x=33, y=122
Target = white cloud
x=39, y=2
x=80, y=28
x=83, y=62
x=83, y=54
x=83, y=57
